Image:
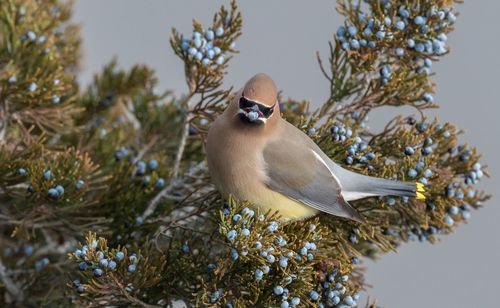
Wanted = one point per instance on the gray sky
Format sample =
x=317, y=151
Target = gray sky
x=281, y=38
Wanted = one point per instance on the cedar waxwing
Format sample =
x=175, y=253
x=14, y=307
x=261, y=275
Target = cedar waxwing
x=255, y=155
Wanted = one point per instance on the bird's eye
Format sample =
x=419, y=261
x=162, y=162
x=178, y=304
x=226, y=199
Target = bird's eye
x=245, y=103
x=266, y=111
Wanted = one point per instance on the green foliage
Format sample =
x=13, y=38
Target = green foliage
x=125, y=161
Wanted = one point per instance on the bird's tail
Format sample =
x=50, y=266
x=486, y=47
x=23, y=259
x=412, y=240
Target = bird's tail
x=383, y=187
x=356, y=186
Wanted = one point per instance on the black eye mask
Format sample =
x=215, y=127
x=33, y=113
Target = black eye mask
x=249, y=105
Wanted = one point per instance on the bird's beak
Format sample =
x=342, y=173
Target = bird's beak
x=253, y=111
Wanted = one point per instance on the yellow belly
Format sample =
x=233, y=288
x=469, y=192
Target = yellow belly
x=289, y=209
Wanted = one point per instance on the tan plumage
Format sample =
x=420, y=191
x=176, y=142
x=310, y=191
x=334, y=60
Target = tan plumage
x=254, y=154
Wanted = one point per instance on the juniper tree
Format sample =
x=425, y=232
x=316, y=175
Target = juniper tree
x=106, y=196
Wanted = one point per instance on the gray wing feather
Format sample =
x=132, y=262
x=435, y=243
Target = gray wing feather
x=295, y=171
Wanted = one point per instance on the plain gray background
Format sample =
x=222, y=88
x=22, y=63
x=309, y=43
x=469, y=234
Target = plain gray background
x=281, y=38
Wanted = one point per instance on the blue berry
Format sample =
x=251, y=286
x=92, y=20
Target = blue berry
x=409, y=151
x=205, y=61
x=314, y=295
x=423, y=181
x=385, y=71
x=273, y=226
x=419, y=47
x=278, y=290
x=258, y=274
x=348, y=300
x=111, y=265
x=98, y=272
x=139, y=220
x=419, y=20
x=160, y=182
x=367, y=32
x=185, y=248
x=341, y=31
x=387, y=21
x=52, y=193
x=31, y=35
x=466, y=215
x=12, y=79
x=245, y=232
x=21, y=171
x=219, y=31
x=231, y=235
x=47, y=174
x=153, y=164
x=295, y=301
x=428, y=98
x=448, y=220
x=210, y=54
x=32, y=87
x=403, y=12
x=56, y=99
x=283, y=262
x=451, y=17
x=410, y=43
x=372, y=44
x=427, y=150
x=391, y=201
x=192, y=51
x=352, y=30
x=60, y=190
x=354, y=44
x=120, y=256
x=400, y=25
x=422, y=127
x=80, y=184
x=284, y=304
x=476, y=166
x=400, y=52
x=209, y=35
x=234, y=254
x=380, y=34
x=28, y=250
x=336, y=300
x=270, y=258
x=428, y=173
x=220, y=60
x=412, y=173
x=82, y=266
x=442, y=37
x=132, y=268
x=265, y=269
x=453, y=210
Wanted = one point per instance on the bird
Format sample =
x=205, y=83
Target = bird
x=255, y=155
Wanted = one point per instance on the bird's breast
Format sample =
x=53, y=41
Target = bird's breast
x=238, y=168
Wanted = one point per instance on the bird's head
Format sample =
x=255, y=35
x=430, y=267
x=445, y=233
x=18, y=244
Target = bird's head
x=257, y=104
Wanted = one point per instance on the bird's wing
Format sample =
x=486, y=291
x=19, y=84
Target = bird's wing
x=295, y=168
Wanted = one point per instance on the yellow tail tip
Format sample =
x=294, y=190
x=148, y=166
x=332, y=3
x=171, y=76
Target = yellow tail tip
x=420, y=187
x=420, y=196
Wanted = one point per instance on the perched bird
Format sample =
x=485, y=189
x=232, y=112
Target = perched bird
x=255, y=155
